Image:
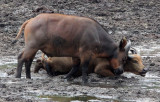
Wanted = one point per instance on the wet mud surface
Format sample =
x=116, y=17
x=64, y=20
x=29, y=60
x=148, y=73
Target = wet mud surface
x=138, y=20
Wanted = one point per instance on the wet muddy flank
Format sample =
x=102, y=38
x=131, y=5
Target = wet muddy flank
x=137, y=20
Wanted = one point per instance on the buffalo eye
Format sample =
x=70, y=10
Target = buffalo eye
x=134, y=61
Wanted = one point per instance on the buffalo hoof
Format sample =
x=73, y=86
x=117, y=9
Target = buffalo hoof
x=50, y=75
x=18, y=76
x=68, y=77
x=84, y=82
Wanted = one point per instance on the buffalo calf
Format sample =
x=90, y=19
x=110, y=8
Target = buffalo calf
x=99, y=66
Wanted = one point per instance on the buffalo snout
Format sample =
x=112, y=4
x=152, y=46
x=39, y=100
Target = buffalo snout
x=118, y=71
x=144, y=71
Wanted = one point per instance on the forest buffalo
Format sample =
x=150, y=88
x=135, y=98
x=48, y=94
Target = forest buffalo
x=59, y=35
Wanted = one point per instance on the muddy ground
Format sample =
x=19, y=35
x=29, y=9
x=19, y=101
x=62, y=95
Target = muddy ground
x=138, y=20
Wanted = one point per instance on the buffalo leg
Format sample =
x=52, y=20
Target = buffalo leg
x=76, y=63
x=49, y=69
x=73, y=71
x=26, y=56
x=27, y=67
x=85, y=59
x=84, y=71
x=19, y=66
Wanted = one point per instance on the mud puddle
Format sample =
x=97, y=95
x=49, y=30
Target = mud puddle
x=5, y=64
x=150, y=49
x=126, y=88
x=8, y=60
x=74, y=98
x=81, y=98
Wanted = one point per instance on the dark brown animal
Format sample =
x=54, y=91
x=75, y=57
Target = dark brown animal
x=59, y=35
x=100, y=66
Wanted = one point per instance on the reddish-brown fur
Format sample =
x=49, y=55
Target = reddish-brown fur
x=68, y=36
x=98, y=65
x=58, y=64
x=135, y=65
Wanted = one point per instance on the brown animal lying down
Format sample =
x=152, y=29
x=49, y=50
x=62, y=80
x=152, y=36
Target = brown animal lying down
x=62, y=65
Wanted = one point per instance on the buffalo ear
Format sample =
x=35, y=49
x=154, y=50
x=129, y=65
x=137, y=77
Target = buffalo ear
x=133, y=50
x=123, y=43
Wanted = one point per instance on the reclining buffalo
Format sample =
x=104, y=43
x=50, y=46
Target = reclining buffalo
x=62, y=65
x=59, y=35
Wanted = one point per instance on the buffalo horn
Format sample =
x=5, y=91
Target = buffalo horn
x=127, y=47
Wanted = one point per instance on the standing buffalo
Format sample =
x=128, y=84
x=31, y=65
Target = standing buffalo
x=59, y=35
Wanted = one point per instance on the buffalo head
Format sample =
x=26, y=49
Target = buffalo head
x=38, y=65
x=124, y=47
x=134, y=64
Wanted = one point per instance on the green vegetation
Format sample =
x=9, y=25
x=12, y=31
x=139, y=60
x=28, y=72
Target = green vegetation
x=83, y=98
